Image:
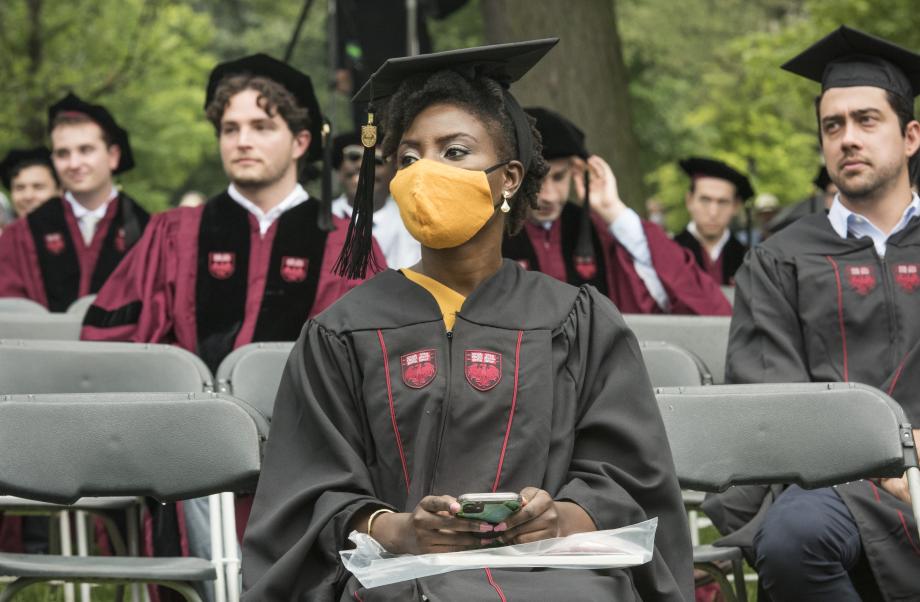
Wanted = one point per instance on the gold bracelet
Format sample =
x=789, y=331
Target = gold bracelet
x=370, y=521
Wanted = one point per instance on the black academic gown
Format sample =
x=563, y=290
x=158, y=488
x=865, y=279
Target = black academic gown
x=811, y=306
x=565, y=405
x=732, y=255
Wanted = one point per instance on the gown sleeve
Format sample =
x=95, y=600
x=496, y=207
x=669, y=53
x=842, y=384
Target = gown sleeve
x=765, y=344
x=622, y=471
x=690, y=289
x=19, y=272
x=302, y=510
x=135, y=303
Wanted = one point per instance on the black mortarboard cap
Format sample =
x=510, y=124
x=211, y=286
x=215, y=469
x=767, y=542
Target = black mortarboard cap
x=823, y=179
x=560, y=137
x=19, y=157
x=296, y=82
x=73, y=104
x=339, y=143
x=696, y=167
x=847, y=57
x=503, y=63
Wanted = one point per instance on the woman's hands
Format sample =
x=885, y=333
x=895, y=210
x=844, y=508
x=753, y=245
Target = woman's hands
x=434, y=527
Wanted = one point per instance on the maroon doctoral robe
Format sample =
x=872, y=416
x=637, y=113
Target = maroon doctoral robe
x=43, y=256
x=205, y=279
x=689, y=289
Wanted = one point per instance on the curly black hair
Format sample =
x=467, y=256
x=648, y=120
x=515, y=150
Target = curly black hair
x=483, y=97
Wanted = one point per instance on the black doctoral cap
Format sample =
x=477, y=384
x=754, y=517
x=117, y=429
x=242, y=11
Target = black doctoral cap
x=504, y=63
x=847, y=57
x=19, y=158
x=698, y=167
x=117, y=135
x=561, y=139
x=339, y=143
x=296, y=82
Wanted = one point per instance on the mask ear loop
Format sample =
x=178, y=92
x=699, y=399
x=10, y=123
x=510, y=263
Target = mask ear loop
x=504, y=206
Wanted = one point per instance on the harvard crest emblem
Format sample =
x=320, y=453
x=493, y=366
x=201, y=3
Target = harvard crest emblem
x=54, y=242
x=121, y=242
x=294, y=269
x=483, y=369
x=419, y=368
x=907, y=275
x=222, y=265
x=861, y=278
x=586, y=267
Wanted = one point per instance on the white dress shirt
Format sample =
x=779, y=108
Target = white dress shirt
x=845, y=222
x=266, y=218
x=627, y=229
x=716, y=251
x=87, y=219
x=397, y=245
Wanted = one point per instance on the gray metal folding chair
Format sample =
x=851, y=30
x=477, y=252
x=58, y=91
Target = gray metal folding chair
x=704, y=336
x=253, y=373
x=79, y=307
x=169, y=446
x=811, y=434
x=17, y=305
x=46, y=326
x=669, y=365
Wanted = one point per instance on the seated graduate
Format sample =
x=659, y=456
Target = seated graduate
x=716, y=195
x=256, y=260
x=463, y=374
x=29, y=176
x=67, y=248
x=397, y=245
x=630, y=260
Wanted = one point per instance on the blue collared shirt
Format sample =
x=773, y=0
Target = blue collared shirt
x=844, y=221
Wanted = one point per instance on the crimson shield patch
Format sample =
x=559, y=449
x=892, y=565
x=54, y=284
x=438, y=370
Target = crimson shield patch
x=861, y=278
x=221, y=265
x=121, y=243
x=419, y=368
x=586, y=267
x=294, y=269
x=54, y=242
x=907, y=275
x=483, y=368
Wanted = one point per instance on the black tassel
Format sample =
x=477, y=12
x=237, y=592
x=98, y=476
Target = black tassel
x=357, y=254
x=585, y=263
x=324, y=217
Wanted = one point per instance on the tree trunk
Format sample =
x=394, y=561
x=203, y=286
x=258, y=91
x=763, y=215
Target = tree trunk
x=583, y=77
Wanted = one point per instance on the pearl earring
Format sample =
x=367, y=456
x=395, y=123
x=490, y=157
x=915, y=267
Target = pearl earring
x=505, y=206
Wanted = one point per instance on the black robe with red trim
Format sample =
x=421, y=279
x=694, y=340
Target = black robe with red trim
x=689, y=289
x=551, y=394
x=811, y=306
x=207, y=280
x=729, y=260
x=43, y=256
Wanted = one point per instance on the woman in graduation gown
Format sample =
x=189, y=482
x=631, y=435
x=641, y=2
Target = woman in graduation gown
x=464, y=374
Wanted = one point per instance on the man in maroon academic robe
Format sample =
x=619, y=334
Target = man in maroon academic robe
x=69, y=246
x=716, y=195
x=630, y=260
x=254, y=262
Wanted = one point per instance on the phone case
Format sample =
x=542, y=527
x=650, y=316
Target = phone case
x=492, y=512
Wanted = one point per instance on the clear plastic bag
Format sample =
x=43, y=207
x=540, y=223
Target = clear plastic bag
x=615, y=548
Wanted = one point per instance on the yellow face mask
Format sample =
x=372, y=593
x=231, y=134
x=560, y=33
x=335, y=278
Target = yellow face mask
x=443, y=206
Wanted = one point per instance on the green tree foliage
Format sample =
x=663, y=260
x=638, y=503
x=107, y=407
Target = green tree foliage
x=144, y=59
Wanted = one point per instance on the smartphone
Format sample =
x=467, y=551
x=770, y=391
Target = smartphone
x=492, y=508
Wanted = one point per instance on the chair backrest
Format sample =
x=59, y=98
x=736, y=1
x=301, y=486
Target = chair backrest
x=18, y=305
x=252, y=373
x=704, y=336
x=812, y=434
x=47, y=326
x=672, y=366
x=91, y=367
x=728, y=291
x=79, y=307
x=169, y=446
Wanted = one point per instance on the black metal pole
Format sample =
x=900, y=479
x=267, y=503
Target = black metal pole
x=296, y=35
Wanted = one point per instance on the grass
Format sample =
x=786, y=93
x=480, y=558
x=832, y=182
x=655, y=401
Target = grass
x=43, y=592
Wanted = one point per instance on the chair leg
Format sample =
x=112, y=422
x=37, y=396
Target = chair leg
x=740, y=585
x=727, y=591
x=16, y=586
x=188, y=592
